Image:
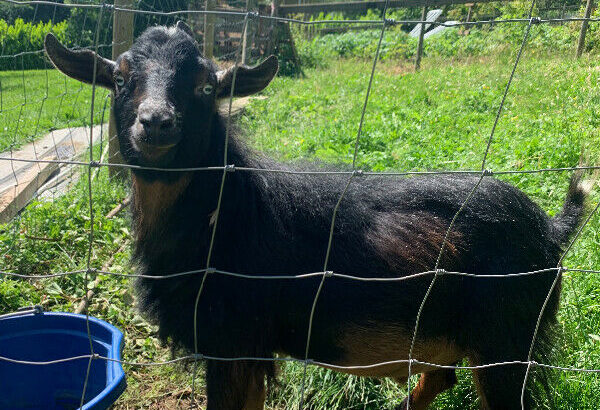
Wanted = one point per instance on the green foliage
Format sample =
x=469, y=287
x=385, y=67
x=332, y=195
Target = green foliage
x=63, y=223
x=53, y=236
x=40, y=12
x=453, y=42
x=397, y=45
x=26, y=39
x=81, y=29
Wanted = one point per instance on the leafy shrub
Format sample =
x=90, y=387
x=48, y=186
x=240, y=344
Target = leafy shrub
x=28, y=12
x=484, y=40
x=23, y=43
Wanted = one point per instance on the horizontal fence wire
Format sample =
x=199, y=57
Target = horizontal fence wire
x=234, y=168
x=332, y=366
x=242, y=15
x=245, y=17
x=439, y=272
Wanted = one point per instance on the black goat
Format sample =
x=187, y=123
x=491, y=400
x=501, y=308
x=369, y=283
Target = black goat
x=273, y=223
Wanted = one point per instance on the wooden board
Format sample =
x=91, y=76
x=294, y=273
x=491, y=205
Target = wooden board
x=20, y=180
x=13, y=199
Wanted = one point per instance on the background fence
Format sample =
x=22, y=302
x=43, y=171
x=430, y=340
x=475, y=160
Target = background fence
x=63, y=127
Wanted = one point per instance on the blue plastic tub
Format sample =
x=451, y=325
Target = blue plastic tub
x=42, y=337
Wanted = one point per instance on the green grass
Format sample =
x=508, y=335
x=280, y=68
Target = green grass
x=35, y=102
x=439, y=118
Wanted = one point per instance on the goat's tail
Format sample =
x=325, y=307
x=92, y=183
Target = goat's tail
x=571, y=216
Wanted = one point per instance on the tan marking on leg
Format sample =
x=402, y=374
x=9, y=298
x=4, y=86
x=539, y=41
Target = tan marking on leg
x=429, y=386
x=256, y=392
x=380, y=343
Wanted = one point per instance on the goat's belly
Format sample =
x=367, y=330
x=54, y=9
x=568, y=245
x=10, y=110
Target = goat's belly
x=384, y=351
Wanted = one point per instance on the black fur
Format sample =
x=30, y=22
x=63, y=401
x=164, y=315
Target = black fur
x=278, y=224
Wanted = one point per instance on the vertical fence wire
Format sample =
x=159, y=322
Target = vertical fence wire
x=545, y=304
x=88, y=269
x=337, y=205
x=219, y=201
x=470, y=195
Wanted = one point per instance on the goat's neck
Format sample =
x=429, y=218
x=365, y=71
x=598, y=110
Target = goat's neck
x=151, y=200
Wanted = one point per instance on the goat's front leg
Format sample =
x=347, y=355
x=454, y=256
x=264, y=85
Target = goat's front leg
x=235, y=386
x=429, y=386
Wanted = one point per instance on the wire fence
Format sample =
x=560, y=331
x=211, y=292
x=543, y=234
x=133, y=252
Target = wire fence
x=94, y=35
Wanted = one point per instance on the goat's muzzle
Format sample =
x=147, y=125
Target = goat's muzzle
x=156, y=130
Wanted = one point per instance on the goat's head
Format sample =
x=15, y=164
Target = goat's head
x=165, y=93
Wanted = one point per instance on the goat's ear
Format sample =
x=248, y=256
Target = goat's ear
x=80, y=64
x=248, y=80
x=184, y=27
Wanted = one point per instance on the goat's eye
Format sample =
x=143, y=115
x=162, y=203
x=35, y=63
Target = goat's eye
x=119, y=80
x=206, y=89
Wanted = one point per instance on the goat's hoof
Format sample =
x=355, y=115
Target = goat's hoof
x=403, y=405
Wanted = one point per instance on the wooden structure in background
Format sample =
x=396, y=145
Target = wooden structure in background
x=363, y=6
x=122, y=40
x=209, y=30
x=421, y=39
x=584, y=27
x=20, y=181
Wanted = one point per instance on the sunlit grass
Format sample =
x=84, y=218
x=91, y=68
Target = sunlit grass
x=35, y=102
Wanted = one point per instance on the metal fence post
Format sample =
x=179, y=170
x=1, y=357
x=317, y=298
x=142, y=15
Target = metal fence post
x=584, y=27
x=122, y=40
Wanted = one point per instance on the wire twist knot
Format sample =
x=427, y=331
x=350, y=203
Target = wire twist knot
x=535, y=20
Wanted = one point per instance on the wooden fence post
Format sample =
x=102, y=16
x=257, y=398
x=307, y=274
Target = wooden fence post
x=421, y=39
x=470, y=12
x=122, y=40
x=250, y=6
x=272, y=40
x=194, y=19
x=584, y=26
x=209, y=30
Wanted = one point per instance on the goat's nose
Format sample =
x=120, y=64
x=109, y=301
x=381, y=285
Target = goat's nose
x=156, y=121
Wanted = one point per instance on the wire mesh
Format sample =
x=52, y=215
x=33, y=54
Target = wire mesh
x=231, y=25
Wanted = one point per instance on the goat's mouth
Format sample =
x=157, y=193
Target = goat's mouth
x=155, y=152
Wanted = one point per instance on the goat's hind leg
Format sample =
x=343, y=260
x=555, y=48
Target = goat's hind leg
x=235, y=385
x=500, y=387
x=430, y=384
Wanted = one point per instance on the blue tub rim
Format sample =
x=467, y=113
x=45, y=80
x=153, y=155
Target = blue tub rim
x=117, y=386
